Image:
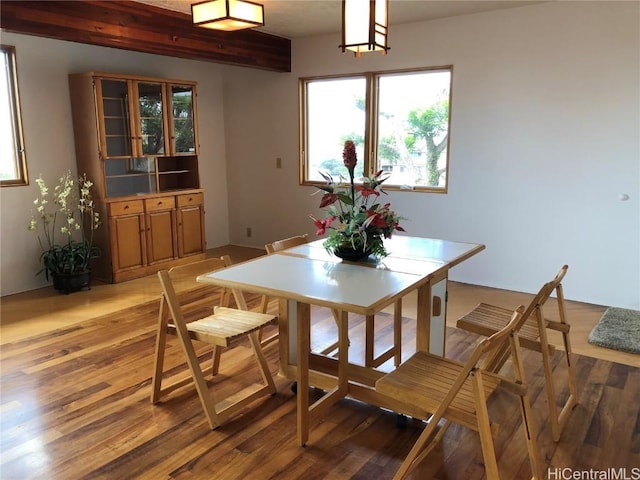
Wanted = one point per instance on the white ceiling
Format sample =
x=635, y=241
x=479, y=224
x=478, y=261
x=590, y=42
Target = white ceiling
x=303, y=18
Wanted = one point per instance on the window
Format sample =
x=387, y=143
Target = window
x=13, y=160
x=399, y=121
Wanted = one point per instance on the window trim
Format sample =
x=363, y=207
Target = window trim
x=371, y=126
x=20, y=156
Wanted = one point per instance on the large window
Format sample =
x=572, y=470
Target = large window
x=399, y=121
x=13, y=161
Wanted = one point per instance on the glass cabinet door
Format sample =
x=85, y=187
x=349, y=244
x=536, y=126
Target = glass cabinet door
x=130, y=176
x=151, y=119
x=183, y=139
x=116, y=128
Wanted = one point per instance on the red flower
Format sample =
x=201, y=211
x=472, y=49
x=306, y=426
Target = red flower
x=378, y=220
x=322, y=225
x=365, y=190
x=349, y=155
x=328, y=199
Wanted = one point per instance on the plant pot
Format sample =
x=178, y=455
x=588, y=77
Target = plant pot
x=351, y=254
x=72, y=282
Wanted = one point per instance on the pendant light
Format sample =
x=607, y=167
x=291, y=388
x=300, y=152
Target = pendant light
x=364, y=26
x=227, y=15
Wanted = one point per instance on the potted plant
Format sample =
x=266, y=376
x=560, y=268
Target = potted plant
x=65, y=231
x=361, y=222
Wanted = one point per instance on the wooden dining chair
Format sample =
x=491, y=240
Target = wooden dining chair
x=445, y=391
x=486, y=319
x=220, y=327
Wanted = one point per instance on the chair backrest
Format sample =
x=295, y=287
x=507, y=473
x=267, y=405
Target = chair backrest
x=285, y=243
x=184, y=276
x=543, y=295
x=498, y=339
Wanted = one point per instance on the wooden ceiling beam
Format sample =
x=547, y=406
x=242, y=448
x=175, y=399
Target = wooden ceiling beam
x=144, y=28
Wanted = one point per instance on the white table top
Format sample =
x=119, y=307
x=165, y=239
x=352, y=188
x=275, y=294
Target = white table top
x=309, y=274
x=344, y=286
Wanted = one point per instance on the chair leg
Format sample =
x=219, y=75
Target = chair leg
x=433, y=443
x=215, y=359
x=423, y=445
x=161, y=343
x=525, y=411
x=572, y=401
x=549, y=386
x=530, y=438
x=264, y=304
x=267, y=378
x=208, y=403
x=484, y=427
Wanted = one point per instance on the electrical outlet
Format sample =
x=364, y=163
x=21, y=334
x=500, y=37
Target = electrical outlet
x=278, y=162
x=248, y=232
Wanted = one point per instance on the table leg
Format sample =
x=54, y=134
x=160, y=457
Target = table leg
x=307, y=414
x=284, y=329
x=423, y=318
x=303, y=348
x=343, y=354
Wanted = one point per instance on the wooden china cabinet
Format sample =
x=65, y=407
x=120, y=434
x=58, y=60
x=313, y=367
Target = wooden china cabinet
x=137, y=140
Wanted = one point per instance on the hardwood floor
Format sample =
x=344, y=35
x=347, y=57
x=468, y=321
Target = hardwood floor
x=74, y=401
x=37, y=311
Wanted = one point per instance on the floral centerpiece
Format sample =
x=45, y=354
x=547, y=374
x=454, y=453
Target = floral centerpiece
x=355, y=221
x=65, y=230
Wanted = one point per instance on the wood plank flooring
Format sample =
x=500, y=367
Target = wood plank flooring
x=26, y=314
x=75, y=386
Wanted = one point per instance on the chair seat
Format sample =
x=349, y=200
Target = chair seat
x=227, y=324
x=487, y=319
x=425, y=380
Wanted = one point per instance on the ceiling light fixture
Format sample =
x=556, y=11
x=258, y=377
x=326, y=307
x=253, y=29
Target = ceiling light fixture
x=364, y=26
x=227, y=15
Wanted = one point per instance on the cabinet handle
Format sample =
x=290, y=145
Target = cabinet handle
x=159, y=203
x=436, y=310
x=126, y=207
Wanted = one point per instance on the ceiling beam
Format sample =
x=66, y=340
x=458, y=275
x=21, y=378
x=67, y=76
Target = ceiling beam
x=144, y=28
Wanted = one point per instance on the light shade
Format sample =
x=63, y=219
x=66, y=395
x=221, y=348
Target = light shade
x=227, y=14
x=364, y=26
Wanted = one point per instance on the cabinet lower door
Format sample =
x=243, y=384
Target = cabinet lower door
x=127, y=242
x=191, y=230
x=161, y=236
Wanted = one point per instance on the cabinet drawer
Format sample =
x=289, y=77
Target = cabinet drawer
x=126, y=208
x=162, y=203
x=191, y=199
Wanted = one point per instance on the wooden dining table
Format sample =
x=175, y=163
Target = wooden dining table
x=308, y=275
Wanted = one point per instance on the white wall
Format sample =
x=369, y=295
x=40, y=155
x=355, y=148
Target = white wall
x=544, y=137
x=43, y=68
